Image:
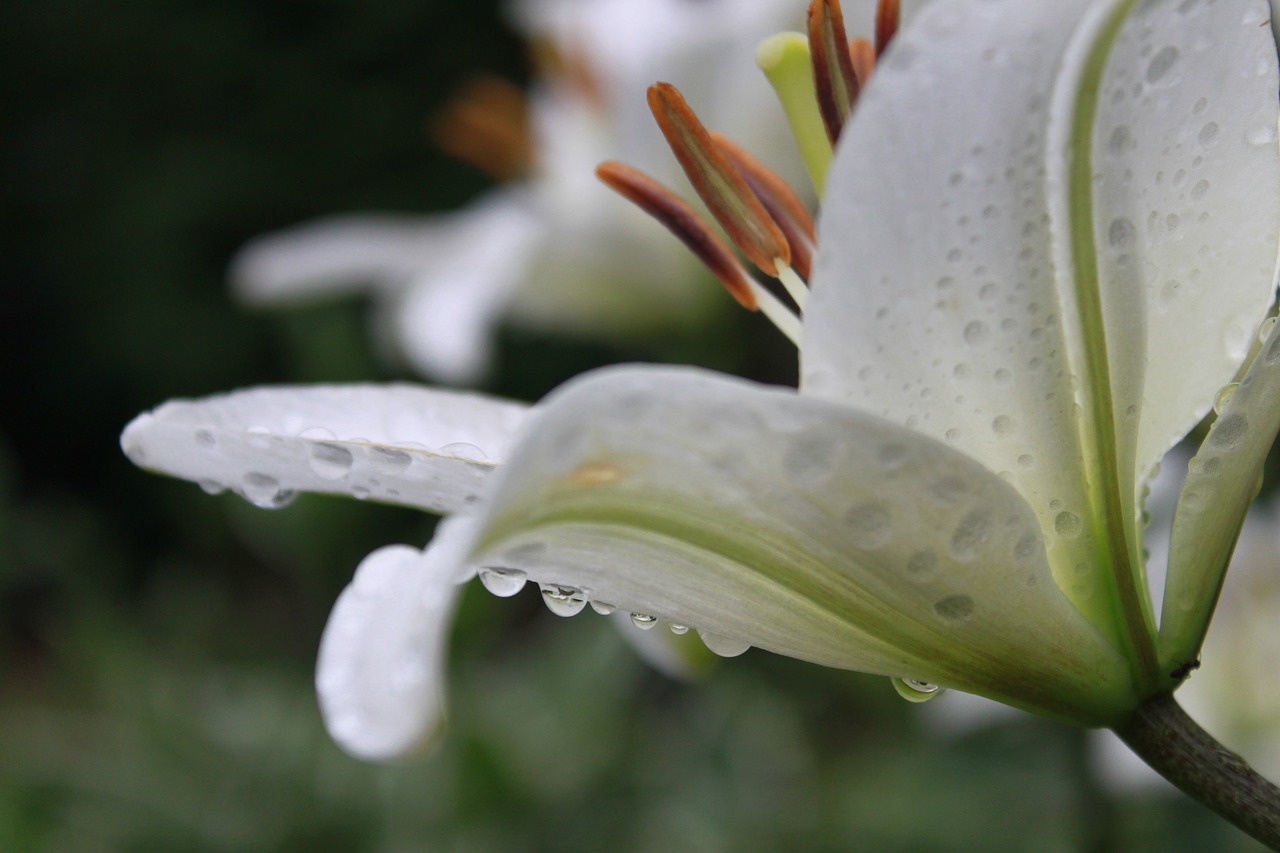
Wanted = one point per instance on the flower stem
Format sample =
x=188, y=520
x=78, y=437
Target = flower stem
x=1175, y=746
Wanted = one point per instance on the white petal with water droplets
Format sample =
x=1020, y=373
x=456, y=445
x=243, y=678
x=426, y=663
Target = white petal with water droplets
x=394, y=443
x=1186, y=184
x=798, y=526
x=936, y=301
x=380, y=672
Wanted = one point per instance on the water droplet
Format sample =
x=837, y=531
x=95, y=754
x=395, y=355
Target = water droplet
x=723, y=646
x=1122, y=234
x=389, y=460
x=1027, y=547
x=212, y=487
x=1224, y=394
x=948, y=490
x=1161, y=64
x=563, y=600
x=330, y=461
x=464, y=451
x=503, y=583
x=976, y=332
x=922, y=564
x=971, y=534
x=1199, y=190
x=643, y=620
x=679, y=630
x=1026, y=460
x=1067, y=524
x=869, y=526
x=264, y=491
x=956, y=609
x=204, y=438
x=1264, y=330
x=602, y=608
x=1228, y=432
x=1208, y=133
x=893, y=455
x=808, y=460
x=915, y=690
x=1121, y=140
x=1004, y=425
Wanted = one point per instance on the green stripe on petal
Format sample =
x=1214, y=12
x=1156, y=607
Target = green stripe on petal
x=938, y=300
x=801, y=527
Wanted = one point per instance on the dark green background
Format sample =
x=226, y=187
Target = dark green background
x=156, y=644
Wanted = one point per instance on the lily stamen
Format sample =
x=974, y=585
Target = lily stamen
x=684, y=222
x=833, y=72
x=718, y=183
x=779, y=199
x=888, y=16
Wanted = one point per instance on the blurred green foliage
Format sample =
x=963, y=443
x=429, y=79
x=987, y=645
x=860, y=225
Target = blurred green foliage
x=156, y=644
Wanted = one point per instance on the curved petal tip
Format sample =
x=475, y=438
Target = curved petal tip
x=380, y=673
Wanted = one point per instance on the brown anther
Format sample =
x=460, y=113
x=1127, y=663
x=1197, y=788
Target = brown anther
x=888, y=16
x=684, y=222
x=487, y=125
x=833, y=76
x=777, y=196
x=863, y=53
x=724, y=190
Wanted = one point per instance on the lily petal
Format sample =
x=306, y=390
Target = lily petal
x=446, y=315
x=798, y=526
x=380, y=672
x=448, y=285
x=394, y=443
x=1186, y=189
x=955, y=323
x=1222, y=481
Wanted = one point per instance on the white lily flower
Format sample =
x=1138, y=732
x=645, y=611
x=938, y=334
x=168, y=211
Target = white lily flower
x=552, y=250
x=1049, y=236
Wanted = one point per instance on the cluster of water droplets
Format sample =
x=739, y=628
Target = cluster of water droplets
x=570, y=601
x=358, y=466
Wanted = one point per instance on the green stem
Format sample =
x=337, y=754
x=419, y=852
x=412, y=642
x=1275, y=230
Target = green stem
x=1175, y=746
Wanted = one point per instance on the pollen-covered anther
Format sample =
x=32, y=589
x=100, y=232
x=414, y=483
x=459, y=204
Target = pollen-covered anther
x=779, y=199
x=684, y=222
x=834, y=80
x=718, y=183
x=888, y=16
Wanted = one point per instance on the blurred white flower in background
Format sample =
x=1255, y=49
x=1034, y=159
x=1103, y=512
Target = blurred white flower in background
x=550, y=248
